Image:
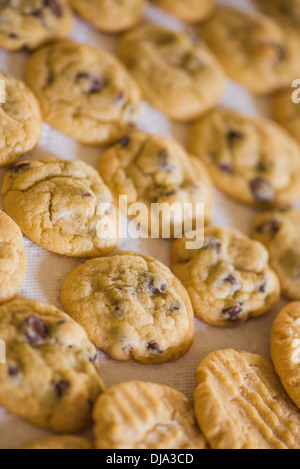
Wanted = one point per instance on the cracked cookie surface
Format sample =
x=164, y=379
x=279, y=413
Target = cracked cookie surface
x=51, y=376
x=254, y=161
x=61, y=442
x=177, y=74
x=132, y=307
x=150, y=169
x=13, y=258
x=285, y=349
x=241, y=404
x=84, y=92
x=31, y=23
x=229, y=279
x=140, y=415
x=286, y=112
x=63, y=206
x=253, y=49
x=111, y=16
x=279, y=232
x=20, y=120
x=190, y=11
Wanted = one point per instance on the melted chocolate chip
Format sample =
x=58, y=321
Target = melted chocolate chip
x=96, y=84
x=262, y=190
x=61, y=387
x=226, y=168
x=230, y=279
x=157, y=291
x=20, y=167
x=154, y=347
x=124, y=142
x=261, y=167
x=13, y=371
x=234, y=135
x=269, y=227
x=262, y=288
x=36, y=330
x=233, y=313
x=214, y=244
x=14, y=36
x=55, y=7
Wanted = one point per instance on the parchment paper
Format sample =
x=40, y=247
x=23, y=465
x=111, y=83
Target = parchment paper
x=47, y=271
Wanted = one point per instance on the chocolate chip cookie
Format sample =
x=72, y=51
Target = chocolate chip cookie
x=140, y=415
x=286, y=13
x=31, y=23
x=51, y=376
x=279, y=232
x=177, y=74
x=111, y=16
x=13, y=258
x=190, y=11
x=241, y=404
x=285, y=349
x=84, y=92
x=150, y=169
x=132, y=307
x=21, y=120
x=253, y=49
x=252, y=160
x=229, y=279
x=61, y=205
x=61, y=442
x=286, y=112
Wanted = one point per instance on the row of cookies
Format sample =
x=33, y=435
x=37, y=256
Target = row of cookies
x=32, y=23
x=239, y=403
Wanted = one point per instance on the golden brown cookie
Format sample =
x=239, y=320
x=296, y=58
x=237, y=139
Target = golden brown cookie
x=51, y=375
x=285, y=349
x=190, y=11
x=252, y=160
x=111, y=16
x=132, y=307
x=84, y=91
x=287, y=112
x=61, y=442
x=13, y=258
x=61, y=205
x=140, y=415
x=228, y=279
x=31, y=23
x=253, y=49
x=150, y=169
x=279, y=232
x=176, y=73
x=21, y=120
x=241, y=404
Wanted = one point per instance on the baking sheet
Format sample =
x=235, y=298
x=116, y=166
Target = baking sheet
x=47, y=271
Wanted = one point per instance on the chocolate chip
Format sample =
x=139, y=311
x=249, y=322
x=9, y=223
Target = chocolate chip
x=55, y=7
x=13, y=371
x=61, y=387
x=156, y=291
x=213, y=243
x=86, y=194
x=226, y=168
x=20, y=167
x=262, y=190
x=165, y=164
x=95, y=357
x=154, y=347
x=124, y=142
x=269, y=227
x=261, y=167
x=96, y=84
x=233, y=313
x=262, y=288
x=14, y=36
x=234, y=135
x=36, y=330
x=230, y=279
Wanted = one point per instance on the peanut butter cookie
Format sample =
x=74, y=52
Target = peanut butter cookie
x=241, y=404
